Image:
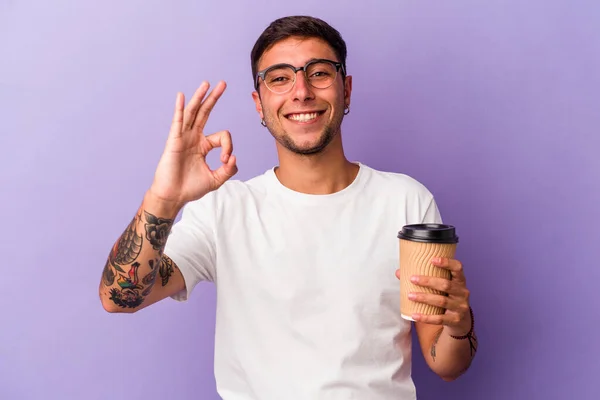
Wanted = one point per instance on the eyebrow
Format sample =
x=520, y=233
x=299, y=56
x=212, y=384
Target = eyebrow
x=306, y=62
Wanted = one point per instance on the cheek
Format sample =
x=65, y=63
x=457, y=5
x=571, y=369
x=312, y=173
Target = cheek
x=337, y=98
x=272, y=107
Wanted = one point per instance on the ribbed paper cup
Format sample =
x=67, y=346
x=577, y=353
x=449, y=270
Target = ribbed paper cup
x=418, y=245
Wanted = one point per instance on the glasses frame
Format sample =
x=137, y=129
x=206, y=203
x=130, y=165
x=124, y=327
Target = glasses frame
x=261, y=74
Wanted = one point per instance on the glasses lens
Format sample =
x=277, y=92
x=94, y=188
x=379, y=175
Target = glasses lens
x=321, y=74
x=280, y=79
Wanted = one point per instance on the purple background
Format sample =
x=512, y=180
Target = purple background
x=493, y=105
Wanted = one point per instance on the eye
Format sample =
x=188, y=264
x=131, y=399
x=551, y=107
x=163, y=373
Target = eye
x=321, y=71
x=277, y=79
x=279, y=76
x=320, y=74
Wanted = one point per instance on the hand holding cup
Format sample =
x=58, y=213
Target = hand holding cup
x=432, y=283
x=454, y=300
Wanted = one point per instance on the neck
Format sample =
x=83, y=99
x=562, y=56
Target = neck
x=324, y=173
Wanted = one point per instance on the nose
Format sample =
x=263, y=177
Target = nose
x=302, y=91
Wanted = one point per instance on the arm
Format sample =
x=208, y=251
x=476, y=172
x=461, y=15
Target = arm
x=136, y=262
x=137, y=273
x=446, y=356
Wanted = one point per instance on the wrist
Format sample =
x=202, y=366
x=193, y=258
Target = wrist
x=160, y=207
x=462, y=332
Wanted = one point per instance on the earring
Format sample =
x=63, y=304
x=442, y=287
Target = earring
x=347, y=110
x=263, y=123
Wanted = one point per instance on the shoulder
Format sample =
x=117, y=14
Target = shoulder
x=403, y=194
x=396, y=184
x=241, y=189
x=234, y=191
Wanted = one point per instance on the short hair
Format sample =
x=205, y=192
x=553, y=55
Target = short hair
x=298, y=26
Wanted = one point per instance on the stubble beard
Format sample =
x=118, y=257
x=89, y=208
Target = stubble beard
x=329, y=132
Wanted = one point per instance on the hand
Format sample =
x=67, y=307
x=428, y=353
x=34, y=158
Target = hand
x=457, y=318
x=182, y=174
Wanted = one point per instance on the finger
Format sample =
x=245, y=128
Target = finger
x=225, y=172
x=177, y=116
x=454, y=266
x=208, y=104
x=449, y=319
x=222, y=139
x=436, y=300
x=192, y=108
x=440, y=319
x=451, y=287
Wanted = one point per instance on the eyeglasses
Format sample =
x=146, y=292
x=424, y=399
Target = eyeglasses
x=281, y=78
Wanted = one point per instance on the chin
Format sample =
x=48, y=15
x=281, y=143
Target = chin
x=306, y=151
x=315, y=146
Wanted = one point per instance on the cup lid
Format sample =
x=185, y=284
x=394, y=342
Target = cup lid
x=429, y=233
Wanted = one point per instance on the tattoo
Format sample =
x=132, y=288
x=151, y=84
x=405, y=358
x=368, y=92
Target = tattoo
x=131, y=291
x=166, y=269
x=108, y=276
x=129, y=296
x=149, y=279
x=473, y=343
x=157, y=230
x=131, y=280
x=126, y=298
x=473, y=346
x=434, y=344
x=128, y=248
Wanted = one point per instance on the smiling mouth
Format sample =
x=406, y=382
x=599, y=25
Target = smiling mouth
x=304, y=117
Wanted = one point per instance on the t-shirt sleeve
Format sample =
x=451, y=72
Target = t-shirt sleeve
x=432, y=214
x=191, y=245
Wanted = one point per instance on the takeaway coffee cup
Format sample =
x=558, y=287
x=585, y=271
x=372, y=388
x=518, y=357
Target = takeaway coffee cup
x=420, y=243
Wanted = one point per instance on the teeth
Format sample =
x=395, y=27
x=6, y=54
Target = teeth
x=303, y=117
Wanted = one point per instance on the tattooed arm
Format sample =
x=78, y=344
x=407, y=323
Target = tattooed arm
x=137, y=273
x=446, y=356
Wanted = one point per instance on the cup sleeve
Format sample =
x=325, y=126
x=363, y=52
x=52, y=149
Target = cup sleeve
x=192, y=245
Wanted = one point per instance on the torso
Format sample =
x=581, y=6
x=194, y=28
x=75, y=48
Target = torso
x=307, y=299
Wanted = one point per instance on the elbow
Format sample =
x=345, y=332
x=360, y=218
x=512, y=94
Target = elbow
x=108, y=305
x=449, y=378
x=110, y=310
x=452, y=377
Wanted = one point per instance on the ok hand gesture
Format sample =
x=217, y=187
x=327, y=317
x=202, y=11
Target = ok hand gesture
x=182, y=174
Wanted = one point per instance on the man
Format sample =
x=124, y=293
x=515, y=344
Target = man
x=303, y=256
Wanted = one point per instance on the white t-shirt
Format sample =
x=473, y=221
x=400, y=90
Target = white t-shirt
x=307, y=299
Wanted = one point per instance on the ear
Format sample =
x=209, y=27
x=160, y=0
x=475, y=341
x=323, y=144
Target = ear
x=258, y=104
x=347, y=90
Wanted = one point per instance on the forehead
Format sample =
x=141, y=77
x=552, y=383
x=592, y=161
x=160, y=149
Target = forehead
x=296, y=51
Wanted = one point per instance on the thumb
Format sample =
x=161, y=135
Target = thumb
x=225, y=171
